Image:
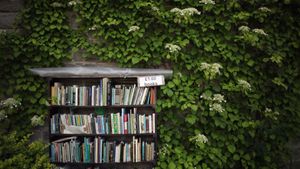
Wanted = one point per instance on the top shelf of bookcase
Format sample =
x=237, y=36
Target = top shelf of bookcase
x=98, y=72
x=110, y=106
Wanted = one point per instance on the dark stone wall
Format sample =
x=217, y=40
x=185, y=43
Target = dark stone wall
x=9, y=10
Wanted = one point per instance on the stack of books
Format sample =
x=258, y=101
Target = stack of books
x=98, y=150
x=102, y=94
x=126, y=122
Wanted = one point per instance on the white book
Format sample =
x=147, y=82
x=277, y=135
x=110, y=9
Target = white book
x=140, y=94
x=135, y=97
x=76, y=95
x=112, y=123
x=101, y=145
x=144, y=95
x=132, y=89
x=153, y=123
x=97, y=96
x=133, y=149
x=63, y=93
x=96, y=150
x=93, y=96
x=150, y=124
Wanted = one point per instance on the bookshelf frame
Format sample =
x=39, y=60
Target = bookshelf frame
x=52, y=109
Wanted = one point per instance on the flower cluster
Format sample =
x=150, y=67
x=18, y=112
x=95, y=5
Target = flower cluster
x=199, y=139
x=10, y=103
x=264, y=9
x=57, y=4
x=3, y=31
x=154, y=8
x=37, y=120
x=133, y=28
x=172, y=48
x=271, y=114
x=164, y=150
x=94, y=27
x=214, y=102
x=185, y=12
x=217, y=107
x=207, y=2
x=210, y=70
x=243, y=85
x=244, y=29
x=3, y=115
x=260, y=31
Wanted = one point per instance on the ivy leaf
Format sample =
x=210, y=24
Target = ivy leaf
x=172, y=165
x=135, y=60
x=231, y=148
x=191, y=119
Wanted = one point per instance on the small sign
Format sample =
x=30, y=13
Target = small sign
x=146, y=81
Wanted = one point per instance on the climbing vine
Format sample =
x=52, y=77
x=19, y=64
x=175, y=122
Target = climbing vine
x=232, y=100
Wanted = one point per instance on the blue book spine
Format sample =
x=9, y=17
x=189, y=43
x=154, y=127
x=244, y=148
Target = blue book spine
x=100, y=91
x=52, y=153
x=100, y=150
x=122, y=120
x=102, y=125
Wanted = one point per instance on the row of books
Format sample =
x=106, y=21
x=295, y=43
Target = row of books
x=98, y=150
x=126, y=122
x=103, y=94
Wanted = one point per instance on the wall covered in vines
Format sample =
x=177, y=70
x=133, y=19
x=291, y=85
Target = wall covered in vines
x=232, y=101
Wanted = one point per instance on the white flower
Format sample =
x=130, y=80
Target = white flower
x=172, y=48
x=94, y=27
x=185, y=12
x=57, y=4
x=133, y=28
x=216, y=107
x=191, y=11
x=244, y=29
x=3, y=31
x=164, y=150
x=37, y=120
x=72, y=3
x=154, y=8
x=210, y=70
x=199, y=139
x=260, y=31
x=244, y=85
x=207, y=2
x=264, y=9
x=218, y=98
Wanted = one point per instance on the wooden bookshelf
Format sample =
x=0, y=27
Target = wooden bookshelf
x=146, y=109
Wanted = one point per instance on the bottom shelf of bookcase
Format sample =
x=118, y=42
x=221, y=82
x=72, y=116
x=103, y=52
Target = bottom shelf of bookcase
x=123, y=165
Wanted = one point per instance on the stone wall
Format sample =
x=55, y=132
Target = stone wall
x=9, y=10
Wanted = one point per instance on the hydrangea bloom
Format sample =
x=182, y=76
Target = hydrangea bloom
x=260, y=31
x=133, y=28
x=172, y=48
x=207, y=2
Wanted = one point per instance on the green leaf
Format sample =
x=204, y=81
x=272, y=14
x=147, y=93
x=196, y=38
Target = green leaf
x=191, y=119
x=231, y=148
x=172, y=165
x=135, y=60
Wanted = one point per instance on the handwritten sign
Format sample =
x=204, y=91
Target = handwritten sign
x=146, y=81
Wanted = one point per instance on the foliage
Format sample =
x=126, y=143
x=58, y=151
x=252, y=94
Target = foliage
x=245, y=52
x=16, y=151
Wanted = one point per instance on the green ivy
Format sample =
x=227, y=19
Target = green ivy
x=236, y=70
